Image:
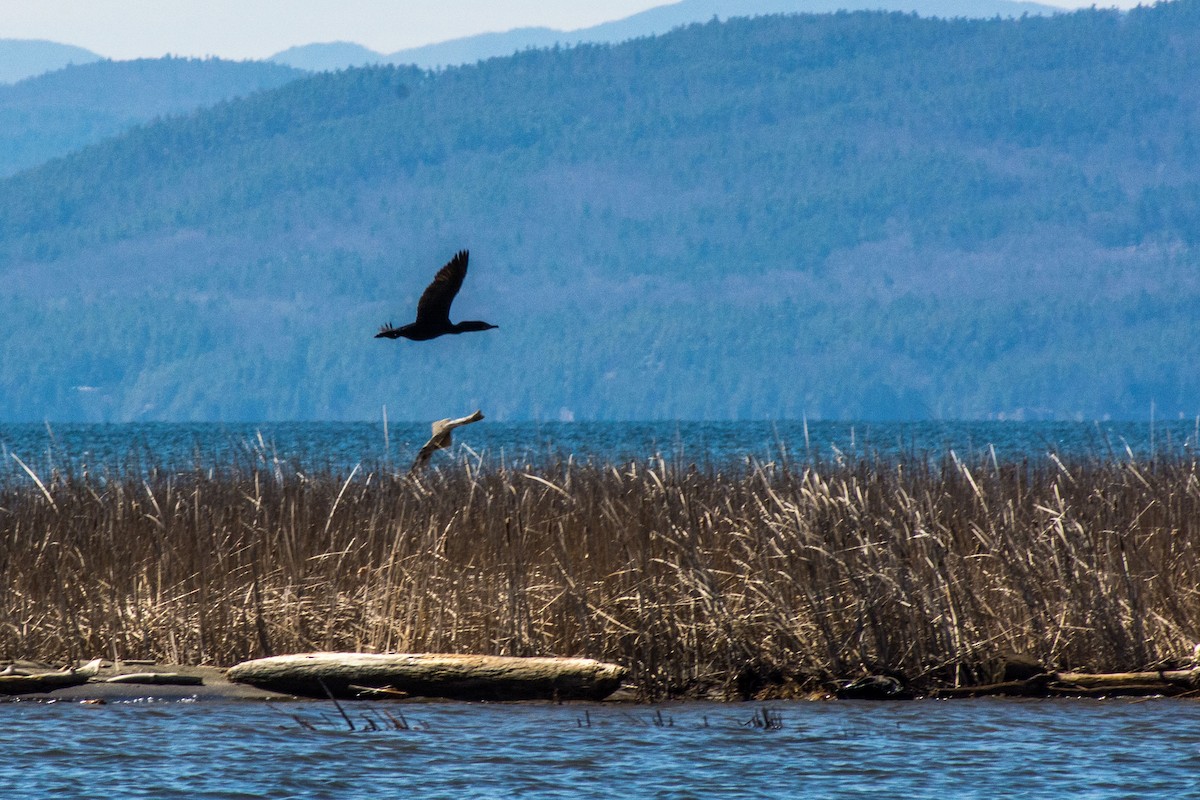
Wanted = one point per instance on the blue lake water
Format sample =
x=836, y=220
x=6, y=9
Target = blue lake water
x=925, y=749
x=341, y=446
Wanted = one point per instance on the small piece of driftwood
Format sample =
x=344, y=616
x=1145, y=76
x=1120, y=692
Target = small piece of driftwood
x=441, y=438
x=20, y=682
x=158, y=679
x=875, y=687
x=382, y=692
x=459, y=677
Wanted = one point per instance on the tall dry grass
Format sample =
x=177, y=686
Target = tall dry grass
x=692, y=577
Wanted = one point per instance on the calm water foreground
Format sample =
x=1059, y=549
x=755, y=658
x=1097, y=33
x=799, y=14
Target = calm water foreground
x=954, y=749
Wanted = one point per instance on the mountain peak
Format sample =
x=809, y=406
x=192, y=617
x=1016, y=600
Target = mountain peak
x=328, y=56
x=24, y=58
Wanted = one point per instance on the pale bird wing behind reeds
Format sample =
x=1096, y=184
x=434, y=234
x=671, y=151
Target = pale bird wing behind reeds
x=441, y=438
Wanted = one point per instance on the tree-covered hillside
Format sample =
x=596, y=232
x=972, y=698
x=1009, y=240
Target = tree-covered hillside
x=856, y=215
x=61, y=111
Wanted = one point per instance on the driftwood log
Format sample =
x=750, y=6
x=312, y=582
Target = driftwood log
x=459, y=677
x=442, y=430
x=158, y=679
x=1087, y=684
x=16, y=681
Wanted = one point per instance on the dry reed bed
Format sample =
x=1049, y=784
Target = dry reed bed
x=694, y=578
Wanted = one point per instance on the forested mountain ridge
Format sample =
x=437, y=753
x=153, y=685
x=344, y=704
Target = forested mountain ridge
x=61, y=111
x=856, y=215
x=653, y=21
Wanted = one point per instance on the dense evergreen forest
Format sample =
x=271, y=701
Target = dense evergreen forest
x=859, y=215
x=61, y=111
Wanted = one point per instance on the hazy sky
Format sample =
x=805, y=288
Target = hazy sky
x=239, y=29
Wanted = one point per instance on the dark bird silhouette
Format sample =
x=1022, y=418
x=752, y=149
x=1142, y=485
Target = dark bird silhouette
x=433, y=309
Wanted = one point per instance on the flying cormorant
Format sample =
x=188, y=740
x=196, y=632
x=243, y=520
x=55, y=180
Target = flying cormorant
x=433, y=309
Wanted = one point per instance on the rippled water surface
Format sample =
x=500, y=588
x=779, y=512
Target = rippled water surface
x=960, y=749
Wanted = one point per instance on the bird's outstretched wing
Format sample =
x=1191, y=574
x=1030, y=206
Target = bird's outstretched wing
x=423, y=456
x=436, y=299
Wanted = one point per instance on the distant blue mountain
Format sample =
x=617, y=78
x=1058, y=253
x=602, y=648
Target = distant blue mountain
x=328, y=56
x=24, y=58
x=491, y=45
x=469, y=49
x=63, y=110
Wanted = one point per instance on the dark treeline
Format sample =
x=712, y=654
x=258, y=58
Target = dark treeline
x=866, y=214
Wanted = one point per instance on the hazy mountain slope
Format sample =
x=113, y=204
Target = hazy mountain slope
x=328, y=56
x=61, y=111
x=859, y=215
x=664, y=18
x=658, y=20
x=470, y=49
x=23, y=58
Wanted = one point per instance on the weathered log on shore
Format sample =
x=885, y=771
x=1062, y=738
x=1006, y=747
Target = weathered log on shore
x=20, y=682
x=1164, y=682
x=1087, y=684
x=157, y=679
x=460, y=677
x=1188, y=679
